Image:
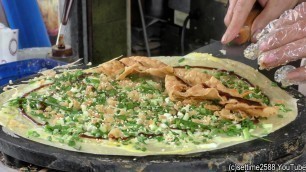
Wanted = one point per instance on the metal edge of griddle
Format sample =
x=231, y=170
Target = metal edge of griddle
x=286, y=144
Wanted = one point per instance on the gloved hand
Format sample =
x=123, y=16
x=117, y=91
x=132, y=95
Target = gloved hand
x=283, y=41
x=239, y=10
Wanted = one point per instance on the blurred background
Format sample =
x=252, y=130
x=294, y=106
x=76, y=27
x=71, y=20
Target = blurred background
x=99, y=30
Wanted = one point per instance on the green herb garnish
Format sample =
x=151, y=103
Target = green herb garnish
x=274, y=84
x=187, y=67
x=33, y=133
x=181, y=60
x=283, y=108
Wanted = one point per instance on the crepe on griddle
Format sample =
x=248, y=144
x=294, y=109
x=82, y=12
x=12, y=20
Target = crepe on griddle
x=147, y=106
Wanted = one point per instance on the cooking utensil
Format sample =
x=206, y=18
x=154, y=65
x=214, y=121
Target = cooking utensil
x=245, y=34
x=234, y=52
x=67, y=9
x=65, y=17
x=62, y=51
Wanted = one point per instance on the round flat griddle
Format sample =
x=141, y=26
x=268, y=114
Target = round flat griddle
x=286, y=143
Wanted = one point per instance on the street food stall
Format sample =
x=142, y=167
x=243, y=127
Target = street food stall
x=142, y=85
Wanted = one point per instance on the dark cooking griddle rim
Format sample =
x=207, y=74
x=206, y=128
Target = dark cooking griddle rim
x=288, y=143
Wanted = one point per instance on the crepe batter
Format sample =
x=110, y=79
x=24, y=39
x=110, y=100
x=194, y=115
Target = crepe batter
x=302, y=87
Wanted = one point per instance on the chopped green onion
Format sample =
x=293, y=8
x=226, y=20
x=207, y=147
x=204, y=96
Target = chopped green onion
x=33, y=133
x=246, y=133
x=181, y=60
x=274, y=84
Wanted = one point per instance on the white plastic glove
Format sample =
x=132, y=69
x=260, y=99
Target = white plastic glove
x=283, y=41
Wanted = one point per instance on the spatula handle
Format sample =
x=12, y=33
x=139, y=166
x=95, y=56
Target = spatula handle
x=66, y=12
x=245, y=32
